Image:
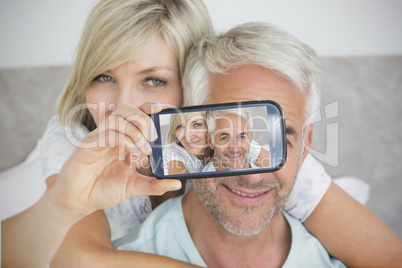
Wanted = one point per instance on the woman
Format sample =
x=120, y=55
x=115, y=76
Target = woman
x=131, y=54
x=187, y=150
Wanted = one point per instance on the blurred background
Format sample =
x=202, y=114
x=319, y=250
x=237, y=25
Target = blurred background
x=46, y=32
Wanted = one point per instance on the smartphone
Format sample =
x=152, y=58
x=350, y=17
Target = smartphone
x=218, y=140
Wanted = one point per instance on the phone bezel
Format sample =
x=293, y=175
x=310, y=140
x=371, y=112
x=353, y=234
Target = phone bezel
x=157, y=144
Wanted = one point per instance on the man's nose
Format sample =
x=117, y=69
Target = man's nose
x=254, y=179
x=234, y=144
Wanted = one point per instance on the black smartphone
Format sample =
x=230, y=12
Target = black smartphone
x=218, y=140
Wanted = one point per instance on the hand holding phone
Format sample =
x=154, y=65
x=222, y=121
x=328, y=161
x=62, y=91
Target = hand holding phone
x=218, y=140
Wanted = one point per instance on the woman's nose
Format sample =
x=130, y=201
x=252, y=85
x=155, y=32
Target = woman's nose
x=128, y=95
x=189, y=134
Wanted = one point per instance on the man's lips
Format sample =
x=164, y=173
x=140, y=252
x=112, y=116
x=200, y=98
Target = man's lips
x=234, y=156
x=245, y=193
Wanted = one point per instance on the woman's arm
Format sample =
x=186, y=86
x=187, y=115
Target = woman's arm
x=88, y=244
x=31, y=238
x=352, y=233
x=177, y=167
x=92, y=178
x=263, y=158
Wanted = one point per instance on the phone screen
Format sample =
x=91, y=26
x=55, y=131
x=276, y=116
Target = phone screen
x=218, y=140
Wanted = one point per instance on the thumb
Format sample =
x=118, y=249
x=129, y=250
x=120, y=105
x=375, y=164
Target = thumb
x=144, y=185
x=151, y=107
x=166, y=185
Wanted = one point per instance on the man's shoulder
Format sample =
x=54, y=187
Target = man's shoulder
x=306, y=250
x=165, y=233
x=209, y=167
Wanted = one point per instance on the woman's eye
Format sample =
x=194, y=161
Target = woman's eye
x=104, y=78
x=155, y=82
x=179, y=126
x=197, y=124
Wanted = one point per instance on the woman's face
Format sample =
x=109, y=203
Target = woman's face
x=153, y=77
x=192, y=134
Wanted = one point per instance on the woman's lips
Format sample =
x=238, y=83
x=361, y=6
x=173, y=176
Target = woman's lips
x=193, y=143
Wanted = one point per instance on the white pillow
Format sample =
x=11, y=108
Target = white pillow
x=22, y=185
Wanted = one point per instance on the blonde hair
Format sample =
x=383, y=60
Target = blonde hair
x=176, y=120
x=256, y=43
x=116, y=32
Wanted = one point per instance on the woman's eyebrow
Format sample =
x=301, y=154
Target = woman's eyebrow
x=157, y=68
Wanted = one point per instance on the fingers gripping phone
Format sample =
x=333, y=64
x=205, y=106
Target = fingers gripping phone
x=218, y=140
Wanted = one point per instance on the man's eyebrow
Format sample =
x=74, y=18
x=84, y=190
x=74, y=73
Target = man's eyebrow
x=291, y=131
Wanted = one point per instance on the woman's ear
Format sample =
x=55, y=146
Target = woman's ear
x=209, y=141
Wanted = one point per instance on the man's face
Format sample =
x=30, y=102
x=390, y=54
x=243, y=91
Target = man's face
x=230, y=142
x=246, y=204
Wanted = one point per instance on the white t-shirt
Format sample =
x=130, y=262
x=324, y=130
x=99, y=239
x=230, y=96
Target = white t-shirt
x=165, y=233
x=174, y=152
x=59, y=142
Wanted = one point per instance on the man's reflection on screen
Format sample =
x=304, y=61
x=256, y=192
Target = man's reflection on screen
x=230, y=136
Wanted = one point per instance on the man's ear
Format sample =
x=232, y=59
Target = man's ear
x=209, y=141
x=307, y=141
x=250, y=135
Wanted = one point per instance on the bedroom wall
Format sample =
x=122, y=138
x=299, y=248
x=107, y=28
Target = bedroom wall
x=45, y=32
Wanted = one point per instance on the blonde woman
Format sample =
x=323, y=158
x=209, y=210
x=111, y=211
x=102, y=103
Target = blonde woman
x=187, y=150
x=130, y=58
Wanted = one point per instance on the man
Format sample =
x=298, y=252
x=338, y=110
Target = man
x=238, y=221
x=230, y=136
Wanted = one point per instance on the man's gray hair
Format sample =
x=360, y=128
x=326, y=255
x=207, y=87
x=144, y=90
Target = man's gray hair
x=212, y=115
x=253, y=43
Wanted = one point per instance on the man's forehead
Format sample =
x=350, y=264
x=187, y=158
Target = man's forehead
x=253, y=82
x=230, y=121
x=248, y=82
